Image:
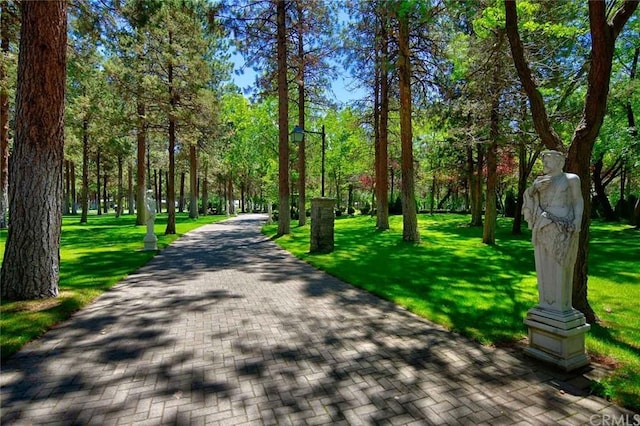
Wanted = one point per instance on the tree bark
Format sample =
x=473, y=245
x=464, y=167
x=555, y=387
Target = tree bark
x=84, y=191
x=4, y=120
x=30, y=268
x=120, y=192
x=284, y=217
x=74, y=193
x=491, y=214
x=98, y=185
x=156, y=190
x=171, y=179
x=522, y=186
x=105, y=194
x=302, y=167
x=599, y=187
x=130, y=195
x=193, y=184
x=409, y=214
x=242, y=197
x=382, y=162
x=181, y=200
x=475, y=183
x=67, y=188
x=525, y=166
x=141, y=171
x=232, y=204
x=205, y=190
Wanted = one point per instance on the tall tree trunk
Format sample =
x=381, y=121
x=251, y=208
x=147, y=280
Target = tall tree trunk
x=156, y=190
x=242, y=195
x=475, y=183
x=84, y=191
x=350, y=198
x=67, y=188
x=171, y=181
x=120, y=192
x=193, y=183
x=4, y=119
x=522, y=184
x=141, y=170
x=302, y=167
x=525, y=166
x=205, y=190
x=74, y=193
x=284, y=218
x=382, y=161
x=98, y=184
x=409, y=214
x=181, y=200
x=376, y=133
x=600, y=190
x=31, y=264
x=130, y=196
x=232, y=204
x=105, y=194
x=491, y=214
x=633, y=129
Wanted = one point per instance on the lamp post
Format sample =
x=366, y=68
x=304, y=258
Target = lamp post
x=298, y=134
x=322, y=209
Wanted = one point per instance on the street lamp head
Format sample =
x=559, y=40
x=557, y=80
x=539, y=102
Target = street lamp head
x=297, y=134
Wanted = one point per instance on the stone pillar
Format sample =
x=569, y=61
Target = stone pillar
x=322, y=222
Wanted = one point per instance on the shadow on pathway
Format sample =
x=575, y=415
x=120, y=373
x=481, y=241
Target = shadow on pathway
x=223, y=327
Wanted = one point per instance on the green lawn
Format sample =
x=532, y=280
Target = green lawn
x=94, y=257
x=485, y=291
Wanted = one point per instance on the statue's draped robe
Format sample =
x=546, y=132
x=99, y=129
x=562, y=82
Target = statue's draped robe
x=550, y=216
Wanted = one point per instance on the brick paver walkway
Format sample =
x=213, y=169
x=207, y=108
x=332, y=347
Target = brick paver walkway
x=223, y=327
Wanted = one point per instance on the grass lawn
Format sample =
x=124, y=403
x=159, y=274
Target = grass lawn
x=94, y=257
x=485, y=291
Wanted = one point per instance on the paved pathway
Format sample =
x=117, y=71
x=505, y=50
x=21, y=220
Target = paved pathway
x=223, y=327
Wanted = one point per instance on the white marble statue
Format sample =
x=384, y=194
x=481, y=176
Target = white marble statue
x=150, y=239
x=553, y=208
x=150, y=204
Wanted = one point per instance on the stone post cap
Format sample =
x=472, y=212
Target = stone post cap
x=323, y=201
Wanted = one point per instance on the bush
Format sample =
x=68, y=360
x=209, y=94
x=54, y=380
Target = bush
x=351, y=210
x=365, y=209
x=510, y=204
x=396, y=207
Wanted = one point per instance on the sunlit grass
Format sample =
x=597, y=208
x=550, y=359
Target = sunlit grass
x=485, y=291
x=94, y=257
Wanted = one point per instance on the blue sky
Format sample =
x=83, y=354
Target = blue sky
x=344, y=88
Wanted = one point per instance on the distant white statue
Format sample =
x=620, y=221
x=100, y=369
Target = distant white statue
x=150, y=204
x=150, y=239
x=553, y=208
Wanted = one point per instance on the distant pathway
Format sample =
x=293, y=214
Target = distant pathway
x=224, y=327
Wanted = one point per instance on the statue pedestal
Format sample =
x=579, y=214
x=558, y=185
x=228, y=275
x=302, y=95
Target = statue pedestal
x=557, y=337
x=150, y=240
